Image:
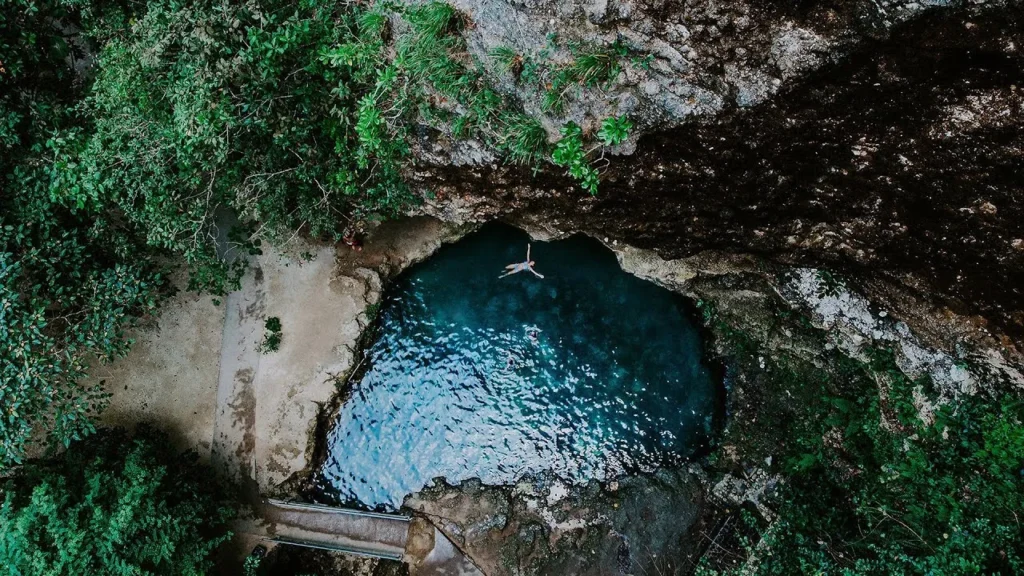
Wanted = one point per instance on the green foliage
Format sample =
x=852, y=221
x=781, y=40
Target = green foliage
x=435, y=20
x=432, y=54
x=591, y=66
x=113, y=504
x=829, y=284
x=224, y=107
x=922, y=498
x=523, y=140
x=251, y=565
x=506, y=60
x=570, y=154
x=69, y=282
x=433, y=80
x=595, y=65
x=870, y=487
x=570, y=151
x=614, y=130
x=60, y=305
x=272, y=336
x=642, y=62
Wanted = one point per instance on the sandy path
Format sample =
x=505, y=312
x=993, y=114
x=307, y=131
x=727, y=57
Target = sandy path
x=198, y=373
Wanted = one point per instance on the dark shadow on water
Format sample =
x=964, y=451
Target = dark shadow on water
x=589, y=373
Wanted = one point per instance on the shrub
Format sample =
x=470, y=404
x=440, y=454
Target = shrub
x=113, y=504
x=869, y=487
x=224, y=108
x=272, y=336
x=70, y=282
x=570, y=152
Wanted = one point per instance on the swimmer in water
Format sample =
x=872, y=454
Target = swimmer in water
x=521, y=266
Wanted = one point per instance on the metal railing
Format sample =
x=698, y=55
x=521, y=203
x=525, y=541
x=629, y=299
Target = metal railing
x=364, y=552
x=337, y=510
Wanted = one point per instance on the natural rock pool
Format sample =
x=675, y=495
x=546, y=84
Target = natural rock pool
x=589, y=372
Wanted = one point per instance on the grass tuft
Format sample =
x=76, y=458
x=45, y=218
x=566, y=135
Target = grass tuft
x=592, y=66
x=435, y=20
x=506, y=60
x=523, y=140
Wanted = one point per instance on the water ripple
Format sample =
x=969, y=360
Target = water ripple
x=589, y=373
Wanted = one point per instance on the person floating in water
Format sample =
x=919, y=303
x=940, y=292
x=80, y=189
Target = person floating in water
x=521, y=266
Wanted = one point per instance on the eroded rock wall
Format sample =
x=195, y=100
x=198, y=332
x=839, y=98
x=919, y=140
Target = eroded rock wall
x=898, y=165
x=688, y=60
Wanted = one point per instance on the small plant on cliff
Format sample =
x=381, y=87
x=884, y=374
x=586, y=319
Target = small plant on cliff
x=829, y=284
x=523, y=139
x=570, y=150
x=614, y=130
x=253, y=563
x=591, y=66
x=435, y=19
x=569, y=153
x=434, y=53
x=507, y=61
x=113, y=504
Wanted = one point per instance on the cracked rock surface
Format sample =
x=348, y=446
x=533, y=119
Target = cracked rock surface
x=688, y=60
x=639, y=524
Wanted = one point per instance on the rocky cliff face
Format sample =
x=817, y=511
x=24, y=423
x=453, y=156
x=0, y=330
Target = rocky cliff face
x=887, y=144
x=684, y=60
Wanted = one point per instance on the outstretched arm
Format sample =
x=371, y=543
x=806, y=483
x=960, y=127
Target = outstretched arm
x=537, y=274
x=527, y=251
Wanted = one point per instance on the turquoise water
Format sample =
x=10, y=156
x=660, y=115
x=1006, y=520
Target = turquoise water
x=589, y=373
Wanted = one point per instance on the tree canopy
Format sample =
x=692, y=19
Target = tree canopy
x=113, y=504
x=136, y=134
x=70, y=281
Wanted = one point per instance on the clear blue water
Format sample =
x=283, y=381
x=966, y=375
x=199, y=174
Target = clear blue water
x=589, y=373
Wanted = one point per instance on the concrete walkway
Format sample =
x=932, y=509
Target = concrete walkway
x=268, y=403
x=387, y=536
x=350, y=531
x=234, y=427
